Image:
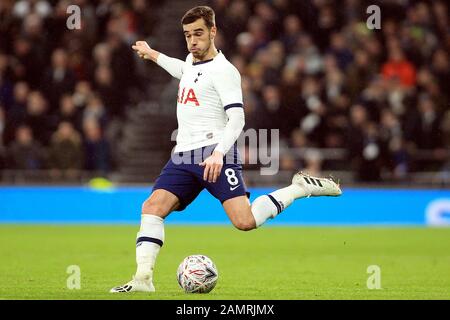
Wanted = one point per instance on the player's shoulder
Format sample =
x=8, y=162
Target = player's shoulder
x=189, y=58
x=223, y=67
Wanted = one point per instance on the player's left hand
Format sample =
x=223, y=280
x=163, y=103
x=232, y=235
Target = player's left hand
x=213, y=166
x=143, y=49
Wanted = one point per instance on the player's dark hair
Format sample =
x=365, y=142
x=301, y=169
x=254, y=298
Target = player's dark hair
x=199, y=12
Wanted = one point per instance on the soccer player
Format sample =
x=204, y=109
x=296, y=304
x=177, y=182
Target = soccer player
x=210, y=119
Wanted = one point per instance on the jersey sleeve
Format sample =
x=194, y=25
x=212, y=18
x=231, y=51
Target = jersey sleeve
x=171, y=65
x=235, y=124
x=227, y=82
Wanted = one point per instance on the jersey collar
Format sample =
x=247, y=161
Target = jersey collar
x=206, y=61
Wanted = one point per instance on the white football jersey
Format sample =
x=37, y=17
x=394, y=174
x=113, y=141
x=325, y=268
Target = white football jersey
x=206, y=90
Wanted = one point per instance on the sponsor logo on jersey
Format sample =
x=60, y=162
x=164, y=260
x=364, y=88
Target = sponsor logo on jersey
x=189, y=98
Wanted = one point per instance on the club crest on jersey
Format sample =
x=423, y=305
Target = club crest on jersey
x=198, y=75
x=189, y=98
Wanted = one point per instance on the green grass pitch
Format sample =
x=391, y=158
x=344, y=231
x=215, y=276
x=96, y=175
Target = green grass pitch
x=273, y=263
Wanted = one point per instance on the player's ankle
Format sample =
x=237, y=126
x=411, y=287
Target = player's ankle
x=143, y=276
x=298, y=191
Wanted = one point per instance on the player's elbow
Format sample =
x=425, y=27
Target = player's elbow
x=175, y=75
x=242, y=123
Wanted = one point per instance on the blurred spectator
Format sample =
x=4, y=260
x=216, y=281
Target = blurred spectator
x=258, y=30
x=271, y=108
x=298, y=139
x=33, y=31
x=313, y=163
x=425, y=130
x=288, y=162
x=25, y=65
x=234, y=19
x=327, y=22
x=66, y=152
x=16, y=114
x=25, y=153
x=424, y=127
x=292, y=30
x=364, y=146
x=143, y=17
x=6, y=86
x=102, y=54
x=69, y=112
x=83, y=91
x=398, y=67
x=359, y=73
x=24, y=8
x=122, y=64
x=96, y=147
x=108, y=90
x=7, y=23
x=446, y=130
x=2, y=145
x=245, y=45
x=392, y=137
x=374, y=96
x=2, y=125
x=313, y=109
x=58, y=79
x=371, y=154
x=340, y=49
x=252, y=120
x=95, y=110
x=289, y=88
x=336, y=122
x=38, y=118
x=440, y=68
x=306, y=55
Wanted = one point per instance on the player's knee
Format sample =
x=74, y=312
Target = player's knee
x=244, y=224
x=151, y=207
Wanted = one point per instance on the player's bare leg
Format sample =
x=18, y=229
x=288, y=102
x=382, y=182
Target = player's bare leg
x=247, y=217
x=239, y=212
x=150, y=238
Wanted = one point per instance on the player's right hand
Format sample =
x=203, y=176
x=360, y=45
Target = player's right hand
x=213, y=166
x=143, y=49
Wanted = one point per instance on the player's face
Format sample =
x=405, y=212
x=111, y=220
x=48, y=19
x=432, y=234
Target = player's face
x=198, y=38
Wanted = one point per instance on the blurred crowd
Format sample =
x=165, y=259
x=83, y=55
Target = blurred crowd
x=312, y=69
x=61, y=87
x=315, y=70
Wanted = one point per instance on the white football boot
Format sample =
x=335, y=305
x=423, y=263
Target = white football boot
x=315, y=187
x=135, y=285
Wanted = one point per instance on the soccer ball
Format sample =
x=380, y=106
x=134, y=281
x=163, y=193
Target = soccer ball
x=197, y=274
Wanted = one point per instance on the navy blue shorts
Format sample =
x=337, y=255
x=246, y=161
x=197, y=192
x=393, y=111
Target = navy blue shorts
x=183, y=176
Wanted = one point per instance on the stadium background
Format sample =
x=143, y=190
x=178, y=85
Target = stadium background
x=85, y=126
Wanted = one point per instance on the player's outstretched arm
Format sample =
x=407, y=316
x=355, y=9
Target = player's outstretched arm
x=144, y=51
x=171, y=65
